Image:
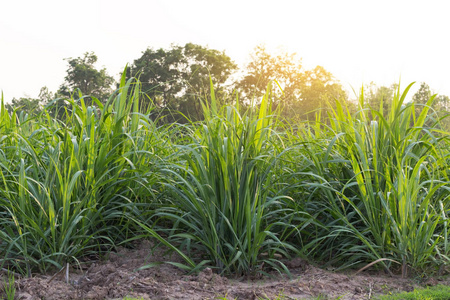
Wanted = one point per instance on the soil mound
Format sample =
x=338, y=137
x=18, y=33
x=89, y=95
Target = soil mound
x=118, y=277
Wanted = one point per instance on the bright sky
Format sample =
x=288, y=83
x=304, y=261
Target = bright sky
x=357, y=41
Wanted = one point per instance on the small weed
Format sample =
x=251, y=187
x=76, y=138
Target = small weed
x=9, y=287
x=438, y=292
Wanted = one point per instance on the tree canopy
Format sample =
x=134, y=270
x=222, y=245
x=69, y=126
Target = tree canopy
x=82, y=75
x=176, y=78
x=439, y=108
x=302, y=92
x=29, y=105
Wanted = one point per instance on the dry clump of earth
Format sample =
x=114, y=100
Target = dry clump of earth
x=118, y=277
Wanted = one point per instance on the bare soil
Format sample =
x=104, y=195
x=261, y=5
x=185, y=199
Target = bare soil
x=117, y=277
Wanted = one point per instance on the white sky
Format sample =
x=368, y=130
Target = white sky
x=357, y=41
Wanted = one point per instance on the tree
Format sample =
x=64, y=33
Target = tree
x=30, y=106
x=320, y=92
x=302, y=92
x=379, y=97
x=83, y=75
x=263, y=68
x=175, y=78
x=421, y=97
x=205, y=66
x=439, y=108
x=160, y=72
x=443, y=103
x=25, y=104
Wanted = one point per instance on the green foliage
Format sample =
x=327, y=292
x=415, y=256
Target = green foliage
x=237, y=191
x=422, y=95
x=30, y=106
x=320, y=92
x=438, y=292
x=301, y=92
x=263, y=68
x=65, y=189
x=26, y=105
x=379, y=98
x=223, y=201
x=83, y=75
x=383, y=188
x=177, y=78
x=9, y=288
x=439, y=108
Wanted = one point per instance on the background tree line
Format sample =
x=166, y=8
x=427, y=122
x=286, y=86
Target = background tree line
x=175, y=81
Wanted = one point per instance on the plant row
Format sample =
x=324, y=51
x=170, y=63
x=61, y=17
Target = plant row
x=240, y=191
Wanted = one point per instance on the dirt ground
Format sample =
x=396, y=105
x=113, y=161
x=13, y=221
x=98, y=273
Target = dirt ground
x=116, y=278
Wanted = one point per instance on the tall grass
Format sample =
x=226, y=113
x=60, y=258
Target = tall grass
x=224, y=201
x=236, y=191
x=391, y=201
x=65, y=187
